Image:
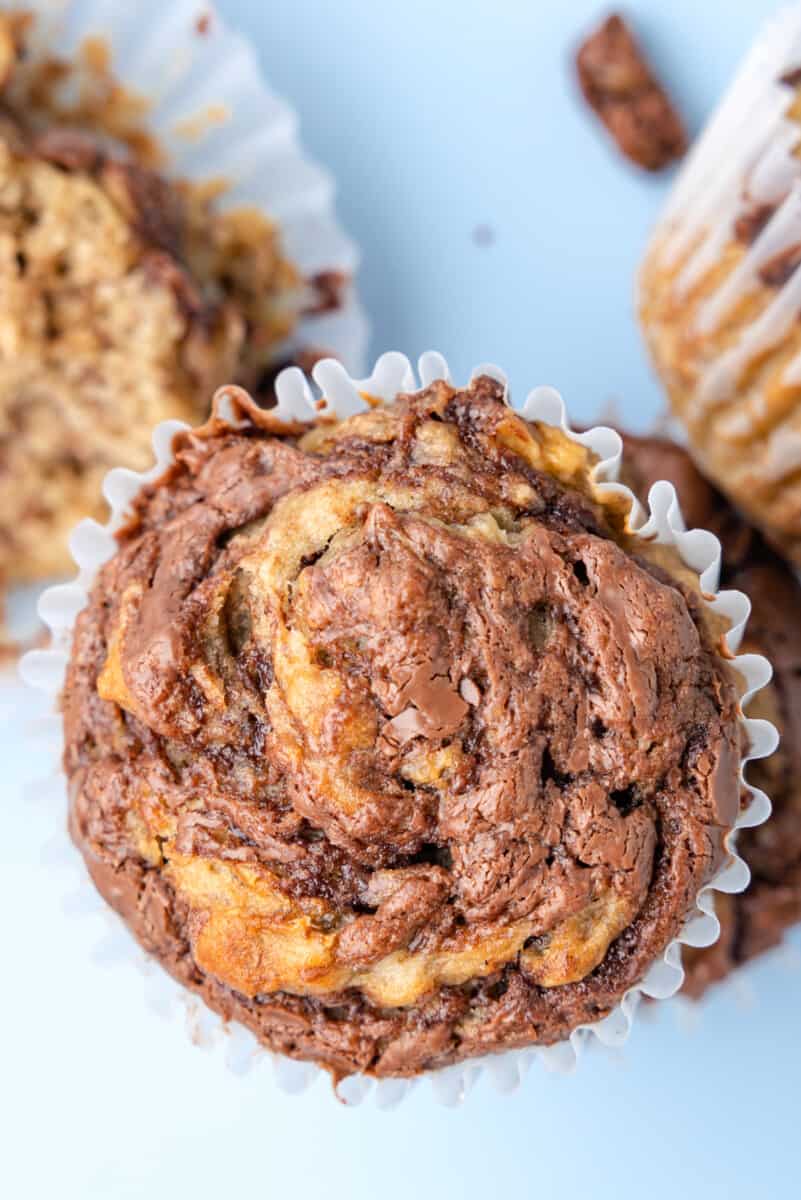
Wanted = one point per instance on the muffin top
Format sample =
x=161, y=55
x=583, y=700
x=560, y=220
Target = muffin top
x=757, y=919
x=388, y=736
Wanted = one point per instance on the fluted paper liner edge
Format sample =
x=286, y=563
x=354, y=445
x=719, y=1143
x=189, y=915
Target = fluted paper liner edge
x=92, y=544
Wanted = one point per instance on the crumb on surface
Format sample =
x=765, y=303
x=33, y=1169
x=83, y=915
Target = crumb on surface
x=620, y=86
x=483, y=235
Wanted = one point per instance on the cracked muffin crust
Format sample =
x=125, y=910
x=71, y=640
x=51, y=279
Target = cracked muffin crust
x=388, y=739
x=126, y=299
x=757, y=919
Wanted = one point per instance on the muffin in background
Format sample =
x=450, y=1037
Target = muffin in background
x=755, y=920
x=126, y=297
x=391, y=740
x=720, y=290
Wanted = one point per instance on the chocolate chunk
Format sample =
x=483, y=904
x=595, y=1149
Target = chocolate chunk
x=429, y=689
x=621, y=88
x=153, y=206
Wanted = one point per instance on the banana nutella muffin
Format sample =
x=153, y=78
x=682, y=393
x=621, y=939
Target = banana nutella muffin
x=758, y=918
x=127, y=298
x=389, y=739
x=720, y=290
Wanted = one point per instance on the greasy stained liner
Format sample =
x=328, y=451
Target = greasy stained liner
x=93, y=544
x=187, y=64
x=213, y=115
x=733, y=362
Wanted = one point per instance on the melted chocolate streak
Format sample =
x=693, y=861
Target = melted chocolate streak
x=469, y=866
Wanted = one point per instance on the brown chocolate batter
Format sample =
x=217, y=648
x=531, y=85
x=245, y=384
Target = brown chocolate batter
x=382, y=737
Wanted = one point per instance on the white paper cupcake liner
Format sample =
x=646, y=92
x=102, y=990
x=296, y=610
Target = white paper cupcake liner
x=93, y=544
x=747, y=156
x=188, y=64
x=215, y=117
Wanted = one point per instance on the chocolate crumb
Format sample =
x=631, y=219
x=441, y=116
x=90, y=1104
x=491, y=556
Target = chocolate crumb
x=750, y=224
x=778, y=269
x=792, y=77
x=328, y=287
x=620, y=86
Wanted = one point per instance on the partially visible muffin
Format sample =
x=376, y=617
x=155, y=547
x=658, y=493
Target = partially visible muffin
x=757, y=919
x=389, y=739
x=720, y=290
x=125, y=299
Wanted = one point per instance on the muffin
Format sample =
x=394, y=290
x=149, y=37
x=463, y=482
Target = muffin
x=758, y=918
x=127, y=298
x=389, y=738
x=720, y=293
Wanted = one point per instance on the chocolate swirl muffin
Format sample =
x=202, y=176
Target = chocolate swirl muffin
x=390, y=740
x=757, y=919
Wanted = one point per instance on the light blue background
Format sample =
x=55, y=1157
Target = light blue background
x=440, y=115
x=436, y=117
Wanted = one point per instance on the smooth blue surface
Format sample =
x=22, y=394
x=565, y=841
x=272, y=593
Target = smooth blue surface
x=436, y=118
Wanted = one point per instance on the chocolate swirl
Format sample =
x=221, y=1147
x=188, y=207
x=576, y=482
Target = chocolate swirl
x=128, y=298
x=390, y=740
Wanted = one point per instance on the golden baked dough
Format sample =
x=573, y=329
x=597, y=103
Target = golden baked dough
x=124, y=300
